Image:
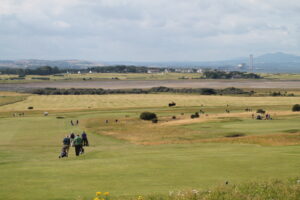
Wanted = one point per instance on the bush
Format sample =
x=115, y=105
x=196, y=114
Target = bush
x=174, y=117
x=30, y=108
x=196, y=115
x=40, y=78
x=235, y=135
x=261, y=111
x=296, y=108
x=60, y=117
x=148, y=116
x=155, y=120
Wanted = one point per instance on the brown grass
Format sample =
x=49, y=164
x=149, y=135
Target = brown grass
x=167, y=131
x=280, y=139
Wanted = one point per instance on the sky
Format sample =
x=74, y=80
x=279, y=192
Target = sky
x=147, y=30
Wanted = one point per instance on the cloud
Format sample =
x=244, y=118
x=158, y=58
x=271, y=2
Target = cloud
x=147, y=30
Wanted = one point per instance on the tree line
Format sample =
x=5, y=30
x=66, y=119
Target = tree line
x=45, y=70
x=216, y=74
x=100, y=91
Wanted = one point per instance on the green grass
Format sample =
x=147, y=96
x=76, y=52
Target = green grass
x=247, y=126
x=102, y=76
x=30, y=168
x=129, y=76
x=281, y=76
x=30, y=145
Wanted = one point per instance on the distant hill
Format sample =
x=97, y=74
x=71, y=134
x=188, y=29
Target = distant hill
x=278, y=57
x=272, y=62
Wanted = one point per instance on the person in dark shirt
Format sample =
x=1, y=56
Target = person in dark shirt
x=85, y=141
x=66, y=144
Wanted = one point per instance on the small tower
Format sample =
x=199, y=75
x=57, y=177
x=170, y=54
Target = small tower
x=251, y=62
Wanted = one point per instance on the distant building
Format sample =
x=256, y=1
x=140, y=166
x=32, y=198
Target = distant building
x=90, y=72
x=199, y=70
x=184, y=70
x=241, y=66
x=78, y=72
x=153, y=71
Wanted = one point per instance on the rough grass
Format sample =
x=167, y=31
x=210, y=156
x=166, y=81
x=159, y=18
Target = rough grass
x=234, y=128
x=282, y=76
x=130, y=76
x=71, y=102
x=102, y=76
x=6, y=100
x=264, y=190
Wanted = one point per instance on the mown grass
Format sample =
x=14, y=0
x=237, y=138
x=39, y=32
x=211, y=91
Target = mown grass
x=30, y=145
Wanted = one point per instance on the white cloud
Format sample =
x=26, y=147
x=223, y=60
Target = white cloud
x=148, y=29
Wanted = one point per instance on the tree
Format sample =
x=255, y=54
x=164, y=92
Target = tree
x=148, y=116
x=296, y=108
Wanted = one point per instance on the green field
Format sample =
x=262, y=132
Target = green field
x=134, y=157
x=127, y=76
x=101, y=76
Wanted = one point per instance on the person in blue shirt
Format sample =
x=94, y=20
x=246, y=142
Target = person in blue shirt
x=85, y=141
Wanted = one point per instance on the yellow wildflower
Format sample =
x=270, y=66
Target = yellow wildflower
x=140, y=198
x=106, y=193
x=98, y=193
x=96, y=198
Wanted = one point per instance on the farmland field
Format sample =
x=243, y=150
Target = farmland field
x=125, y=76
x=134, y=157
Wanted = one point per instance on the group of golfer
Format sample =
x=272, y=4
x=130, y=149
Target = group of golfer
x=77, y=141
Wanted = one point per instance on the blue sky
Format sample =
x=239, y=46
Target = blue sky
x=147, y=30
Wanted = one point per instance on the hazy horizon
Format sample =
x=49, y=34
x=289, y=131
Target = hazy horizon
x=147, y=31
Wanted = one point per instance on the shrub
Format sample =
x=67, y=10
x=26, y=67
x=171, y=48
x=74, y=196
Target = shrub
x=235, y=135
x=148, y=116
x=30, y=108
x=296, y=108
x=40, y=78
x=60, y=117
x=261, y=111
x=173, y=117
x=196, y=115
x=155, y=120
